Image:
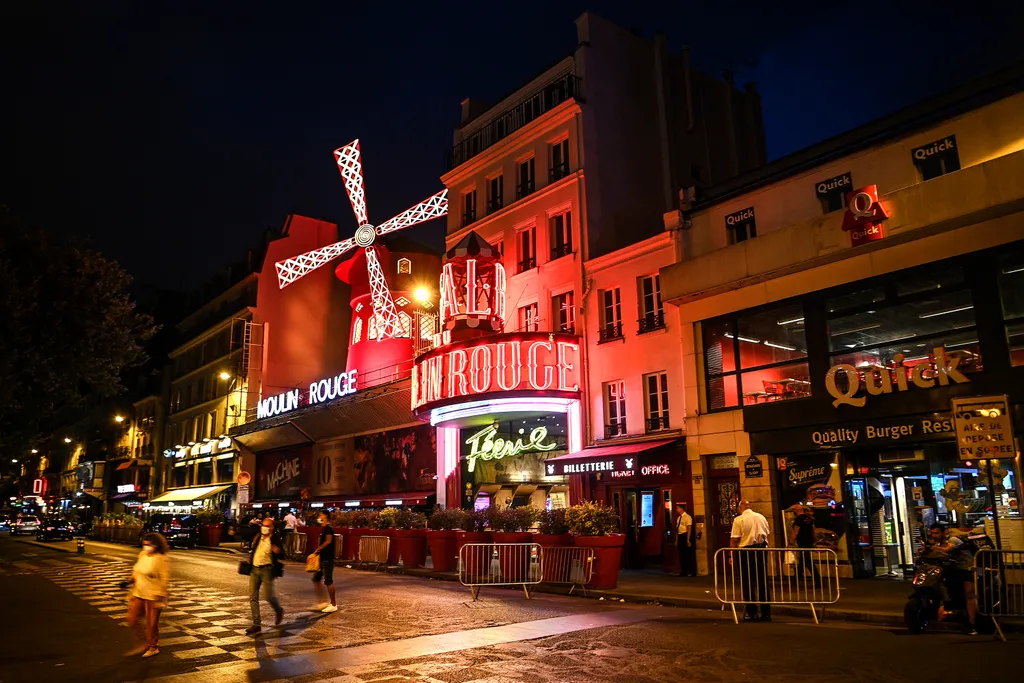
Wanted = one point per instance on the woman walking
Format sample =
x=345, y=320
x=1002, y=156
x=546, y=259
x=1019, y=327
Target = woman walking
x=149, y=589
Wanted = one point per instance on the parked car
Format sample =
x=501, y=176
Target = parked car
x=55, y=529
x=81, y=528
x=25, y=524
x=177, y=529
x=5, y=522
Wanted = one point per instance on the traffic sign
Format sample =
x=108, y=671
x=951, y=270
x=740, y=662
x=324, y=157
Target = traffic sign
x=984, y=428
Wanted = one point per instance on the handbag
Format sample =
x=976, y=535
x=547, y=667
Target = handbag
x=245, y=568
x=313, y=563
x=790, y=557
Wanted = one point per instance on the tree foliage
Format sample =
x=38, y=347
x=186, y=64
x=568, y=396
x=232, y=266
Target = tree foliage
x=68, y=331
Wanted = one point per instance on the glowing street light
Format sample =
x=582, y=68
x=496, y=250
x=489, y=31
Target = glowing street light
x=14, y=460
x=34, y=451
x=422, y=294
x=224, y=374
x=67, y=439
x=118, y=418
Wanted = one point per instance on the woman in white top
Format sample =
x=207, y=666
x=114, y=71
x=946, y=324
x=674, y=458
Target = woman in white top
x=149, y=590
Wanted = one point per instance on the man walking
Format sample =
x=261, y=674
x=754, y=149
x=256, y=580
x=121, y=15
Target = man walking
x=750, y=530
x=685, y=542
x=265, y=558
x=326, y=573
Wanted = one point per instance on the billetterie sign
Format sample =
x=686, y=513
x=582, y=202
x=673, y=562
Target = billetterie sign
x=524, y=362
x=321, y=390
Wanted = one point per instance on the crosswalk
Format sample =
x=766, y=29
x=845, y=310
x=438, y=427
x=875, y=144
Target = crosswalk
x=202, y=625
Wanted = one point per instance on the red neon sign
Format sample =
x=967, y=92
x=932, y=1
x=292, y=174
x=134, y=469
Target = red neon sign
x=864, y=216
x=526, y=362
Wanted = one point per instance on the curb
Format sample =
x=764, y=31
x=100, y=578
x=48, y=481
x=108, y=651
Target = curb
x=28, y=541
x=218, y=549
x=74, y=551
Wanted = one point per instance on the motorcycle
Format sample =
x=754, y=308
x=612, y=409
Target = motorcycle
x=932, y=593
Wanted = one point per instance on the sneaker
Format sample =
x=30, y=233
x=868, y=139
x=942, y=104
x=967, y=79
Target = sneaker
x=151, y=652
x=136, y=651
x=252, y=630
x=278, y=617
x=329, y=609
x=971, y=631
x=319, y=607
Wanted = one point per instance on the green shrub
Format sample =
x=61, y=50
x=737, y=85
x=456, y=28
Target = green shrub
x=447, y=519
x=512, y=520
x=410, y=519
x=552, y=522
x=361, y=519
x=210, y=516
x=474, y=520
x=592, y=519
x=386, y=518
x=341, y=518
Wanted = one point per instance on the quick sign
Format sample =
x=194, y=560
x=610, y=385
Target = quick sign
x=840, y=184
x=864, y=216
x=742, y=224
x=486, y=445
x=319, y=391
x=945, y=146
x=533, y=362
x=877, y=381
x=984, y=428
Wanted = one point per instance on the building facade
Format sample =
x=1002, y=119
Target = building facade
x=832, y=305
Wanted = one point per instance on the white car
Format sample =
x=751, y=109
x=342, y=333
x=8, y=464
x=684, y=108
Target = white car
x=25, y=524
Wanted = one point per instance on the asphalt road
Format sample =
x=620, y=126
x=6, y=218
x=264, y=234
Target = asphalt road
x=62, y=622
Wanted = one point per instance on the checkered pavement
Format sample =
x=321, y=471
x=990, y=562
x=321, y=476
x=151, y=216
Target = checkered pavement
x=201, y=624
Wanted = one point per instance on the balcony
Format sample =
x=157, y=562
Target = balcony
x=651, y=322
x=543, y=99
x=615, y=429
x=610, y=332
x=494, y=204
x=468, y=217
x=558, y=171
x=524, y=188
x=526, y=265
x=657, y=423
x=567, y=328
x=560, y=250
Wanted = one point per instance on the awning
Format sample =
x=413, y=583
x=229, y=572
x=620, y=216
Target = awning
x=385, y=499
x=186, y=496
x=618, y=459
x=125, y=496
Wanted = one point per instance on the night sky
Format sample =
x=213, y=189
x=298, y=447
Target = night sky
x=173, y=140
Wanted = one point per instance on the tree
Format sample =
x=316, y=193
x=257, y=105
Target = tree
x=68, y=331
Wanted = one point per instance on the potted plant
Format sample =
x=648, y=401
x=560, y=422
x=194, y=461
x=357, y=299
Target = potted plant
x=385, y=525
x=211, y=522
x=308, y=527
x=594, y=526
x=360, y=523
x=410, y=537
x=552, y=530
x=474, y=523
x=443, y=539
x=510, y=532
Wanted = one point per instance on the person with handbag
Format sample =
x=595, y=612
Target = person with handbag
x=150, y=586
x=264, y=566
x=321, y=563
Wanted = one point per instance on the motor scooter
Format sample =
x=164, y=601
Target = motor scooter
x=933, y=593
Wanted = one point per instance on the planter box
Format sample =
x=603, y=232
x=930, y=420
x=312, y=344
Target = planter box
x=607, y=558
x=209, y=535
x=444, y=549
x=514, y=562
x=553, y=572
x=411, y=544
x=392, y=547
x=553, y=540
x=478, y=564
x=354, y=534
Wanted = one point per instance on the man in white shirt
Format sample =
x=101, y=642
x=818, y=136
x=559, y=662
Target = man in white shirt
x=290, y=522
x=685, y=542
x=750, y=530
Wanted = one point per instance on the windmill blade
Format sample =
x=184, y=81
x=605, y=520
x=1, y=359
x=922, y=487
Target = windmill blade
x=351, y=166
x=290, y=270
x=383, y=305
x=433, y=207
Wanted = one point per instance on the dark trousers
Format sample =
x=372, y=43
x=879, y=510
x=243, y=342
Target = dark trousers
x=755, y=584
x=262, y=577
x=804, y=563
x=687, y=557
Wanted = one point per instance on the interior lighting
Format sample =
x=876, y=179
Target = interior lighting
x=791, y=321
x=118, y=418
x=780, y=346
x=936, y=314
x=34, y=451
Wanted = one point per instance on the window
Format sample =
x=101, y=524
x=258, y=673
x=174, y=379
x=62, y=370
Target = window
x=652, y=315
x=611, y=315
x=404, y=266
x=1011, y=290
x=226, y=471
x=499, y=250
x=211, y=426
x=937, y=158
x=559, y=160
x=561, y=234
x=656, y=388
x=357, y=330
x=468, y=207
x=529, y=319
x=831, y=192
x=201, y=391
x=495, y=193
x=404, y=328
x=741, y=225
x=771, y=351
x=564, y=313
x=371, y=326
x=615, y=408
x=526, y=178
x=527, y=240
x=204, y=472
x=180, y=476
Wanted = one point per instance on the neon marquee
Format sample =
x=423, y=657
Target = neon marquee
x=486, y=445
x=524, y=362
x=319, y=391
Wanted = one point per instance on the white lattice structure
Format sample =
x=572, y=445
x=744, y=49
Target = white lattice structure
x=384, y=312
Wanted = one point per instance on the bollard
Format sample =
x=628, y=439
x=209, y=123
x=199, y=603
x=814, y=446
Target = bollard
x=81, y=546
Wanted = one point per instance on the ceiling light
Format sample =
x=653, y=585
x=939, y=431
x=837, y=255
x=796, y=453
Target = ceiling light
x=864, y=328
x=780, y=346
x=946, y=312
x=791, y=321
x=1014, y=270
x=118, y=418
x=745, y=339
x=224, y=374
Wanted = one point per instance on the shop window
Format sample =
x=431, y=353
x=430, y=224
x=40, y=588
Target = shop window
x=180, y=476
x=226, y=471
x=564, y=313
x=771, y=348
x=917, y=319
x=1011, y=292
x=656, y=401
x=611, y=315
x=529, y=319
x=204, y=472
x=615, y=408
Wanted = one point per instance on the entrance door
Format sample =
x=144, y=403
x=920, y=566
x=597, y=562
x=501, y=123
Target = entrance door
x=725, y=502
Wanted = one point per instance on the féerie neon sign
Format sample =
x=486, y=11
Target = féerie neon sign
x=486, y=445
x=528, y=362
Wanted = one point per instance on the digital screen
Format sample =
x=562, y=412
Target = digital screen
x=647, y=509
x=482, y=502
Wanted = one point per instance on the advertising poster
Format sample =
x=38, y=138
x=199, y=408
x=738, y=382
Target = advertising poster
x=395, y=461
x=808, y=484
x=334, y=467
x=282, y=474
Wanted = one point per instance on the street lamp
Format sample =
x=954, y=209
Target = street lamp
x=67, y=439
x=225, y=375
x=34, y=451
x=421, y=294
x=14, y=460
x=118, y=418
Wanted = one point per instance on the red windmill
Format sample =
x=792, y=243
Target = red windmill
x=384, y=311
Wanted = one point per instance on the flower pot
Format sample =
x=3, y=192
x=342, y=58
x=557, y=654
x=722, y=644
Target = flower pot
x=513, y=559
x=340, y=538
x=444, y=549
x=607, y=558
x=209, y=535
x=476, y=560
x=411, y=544
x=312, y=534
x=555, y=564
x=392, y=547
x=352, y=541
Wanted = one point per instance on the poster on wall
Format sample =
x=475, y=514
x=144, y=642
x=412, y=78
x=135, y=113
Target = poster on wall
x=395, y=461
x=808, y=485
x=282, y=474
x=334, y=467
x=512, y=451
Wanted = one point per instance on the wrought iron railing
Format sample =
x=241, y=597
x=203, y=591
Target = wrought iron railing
x=524, y=188
x=657, y=423
x=560, y=250
x=494, y=204
x=610, y=332
x=558, y=171
x=651, y=321
x=526, y=265
x=615, y=429
x=468, y=217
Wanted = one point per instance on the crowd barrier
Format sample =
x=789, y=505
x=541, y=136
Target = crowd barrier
x=999, y=584
x=373, y=550
x=500, y=564
x=776, y=576
x=571, y=565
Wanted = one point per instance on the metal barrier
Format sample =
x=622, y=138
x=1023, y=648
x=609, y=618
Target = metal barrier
x=776, y=576
x=499, y=564
x=568, y=564
x=999, y=584
x=374, y=550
